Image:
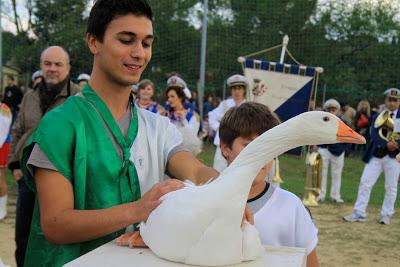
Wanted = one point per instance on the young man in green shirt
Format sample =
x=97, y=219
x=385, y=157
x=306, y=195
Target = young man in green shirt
x=97, y=162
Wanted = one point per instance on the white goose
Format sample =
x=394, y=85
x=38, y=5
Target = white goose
x=201, y=225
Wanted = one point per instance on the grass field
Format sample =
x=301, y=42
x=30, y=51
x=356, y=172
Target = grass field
x=293, y=172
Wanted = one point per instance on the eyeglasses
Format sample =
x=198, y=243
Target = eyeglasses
x=392, y=99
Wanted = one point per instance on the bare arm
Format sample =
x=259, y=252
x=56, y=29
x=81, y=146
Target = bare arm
x=62, y=224
x=183, y=165
x=312, y=259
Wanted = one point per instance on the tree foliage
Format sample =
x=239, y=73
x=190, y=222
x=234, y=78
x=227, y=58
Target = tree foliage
x=358, y=47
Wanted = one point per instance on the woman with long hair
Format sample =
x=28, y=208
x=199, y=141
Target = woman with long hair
x=185, y=119
x=363, y=120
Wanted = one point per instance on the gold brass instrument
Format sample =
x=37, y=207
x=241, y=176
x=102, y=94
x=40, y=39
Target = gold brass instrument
x=312, y=187
x=277, y=178
x=385, y=125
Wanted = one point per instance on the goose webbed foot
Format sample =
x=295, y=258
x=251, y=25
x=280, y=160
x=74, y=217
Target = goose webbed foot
x=132, y=239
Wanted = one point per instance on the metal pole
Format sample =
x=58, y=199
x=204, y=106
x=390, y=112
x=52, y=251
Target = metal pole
x=284, y=45
x=203, y=57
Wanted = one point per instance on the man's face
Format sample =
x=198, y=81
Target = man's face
x=54, y=65
x=82, y=83
x=10, y=82
x=125, y=51
x=238, y=92
x=392, y=103
x=333, y=110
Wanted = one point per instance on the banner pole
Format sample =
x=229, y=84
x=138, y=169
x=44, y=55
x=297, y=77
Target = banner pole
x=285, y=42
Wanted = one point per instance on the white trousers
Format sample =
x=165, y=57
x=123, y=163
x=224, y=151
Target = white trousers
x=220, y=162
x=336, y=172
x=372, y=170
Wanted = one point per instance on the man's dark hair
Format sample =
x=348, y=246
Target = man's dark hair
x=11, y=78
x=246, y=120
x=104, y=11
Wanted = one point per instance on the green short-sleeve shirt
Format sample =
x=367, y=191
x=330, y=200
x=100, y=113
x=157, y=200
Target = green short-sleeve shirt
x=75, y=139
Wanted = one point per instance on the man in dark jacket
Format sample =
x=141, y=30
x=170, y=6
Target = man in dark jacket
x=12, y=96
x=53, y=90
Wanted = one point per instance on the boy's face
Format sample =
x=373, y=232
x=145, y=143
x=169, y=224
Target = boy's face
x=147, y=92
x=230, y=153
x=238, y=92
x=237, y=146
x=126, y=49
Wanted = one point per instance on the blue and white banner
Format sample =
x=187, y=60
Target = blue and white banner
x=285, y=88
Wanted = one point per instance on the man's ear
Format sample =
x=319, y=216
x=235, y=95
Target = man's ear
x=225, y=150
x=92, y=43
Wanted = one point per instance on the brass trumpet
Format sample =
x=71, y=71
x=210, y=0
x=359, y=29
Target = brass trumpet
x=277, y=177
x=312, y=187
x=385, y=125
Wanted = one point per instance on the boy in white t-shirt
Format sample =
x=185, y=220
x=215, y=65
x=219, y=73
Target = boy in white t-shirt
x=280, y=216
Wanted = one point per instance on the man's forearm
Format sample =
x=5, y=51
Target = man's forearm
x=73, y=226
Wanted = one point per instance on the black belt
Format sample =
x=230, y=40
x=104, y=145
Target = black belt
x=380, y=152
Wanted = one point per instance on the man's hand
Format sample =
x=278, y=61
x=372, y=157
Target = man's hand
x=180, y=114
x=151, y=199
x=392, y=146
x=17, y=173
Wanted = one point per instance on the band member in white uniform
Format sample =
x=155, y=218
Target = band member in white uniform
x=332, y=154
x=380, y=155
x=238, y=85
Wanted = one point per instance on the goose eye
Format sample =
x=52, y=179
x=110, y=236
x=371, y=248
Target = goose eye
x=326, y=118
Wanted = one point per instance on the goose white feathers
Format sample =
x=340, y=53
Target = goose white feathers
x=201, y=225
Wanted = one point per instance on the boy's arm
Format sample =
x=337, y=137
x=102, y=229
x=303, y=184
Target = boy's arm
x=312, y=259
x=183, y=165
x=62, y=224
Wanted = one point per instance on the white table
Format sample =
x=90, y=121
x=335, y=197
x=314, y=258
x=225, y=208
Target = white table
x=114, y=256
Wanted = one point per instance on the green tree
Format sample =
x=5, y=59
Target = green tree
x=58, y=22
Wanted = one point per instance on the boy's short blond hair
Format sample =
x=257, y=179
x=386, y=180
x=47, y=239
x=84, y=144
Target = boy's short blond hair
x=246, y=120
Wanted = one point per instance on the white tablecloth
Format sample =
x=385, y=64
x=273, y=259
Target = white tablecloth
x=114, y=256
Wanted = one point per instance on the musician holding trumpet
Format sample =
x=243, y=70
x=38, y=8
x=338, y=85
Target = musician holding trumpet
x=380, y=155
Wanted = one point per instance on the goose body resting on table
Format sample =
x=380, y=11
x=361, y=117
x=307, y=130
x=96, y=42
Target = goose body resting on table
x=201, y=225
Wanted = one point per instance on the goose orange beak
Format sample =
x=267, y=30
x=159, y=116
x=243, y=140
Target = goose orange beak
x=346, y=135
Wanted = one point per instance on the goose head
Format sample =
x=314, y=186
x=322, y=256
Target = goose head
x=319, y=127
x=308, y=128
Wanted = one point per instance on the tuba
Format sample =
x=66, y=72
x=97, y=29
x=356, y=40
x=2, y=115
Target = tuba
x=312, y=187
x=385, y=125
